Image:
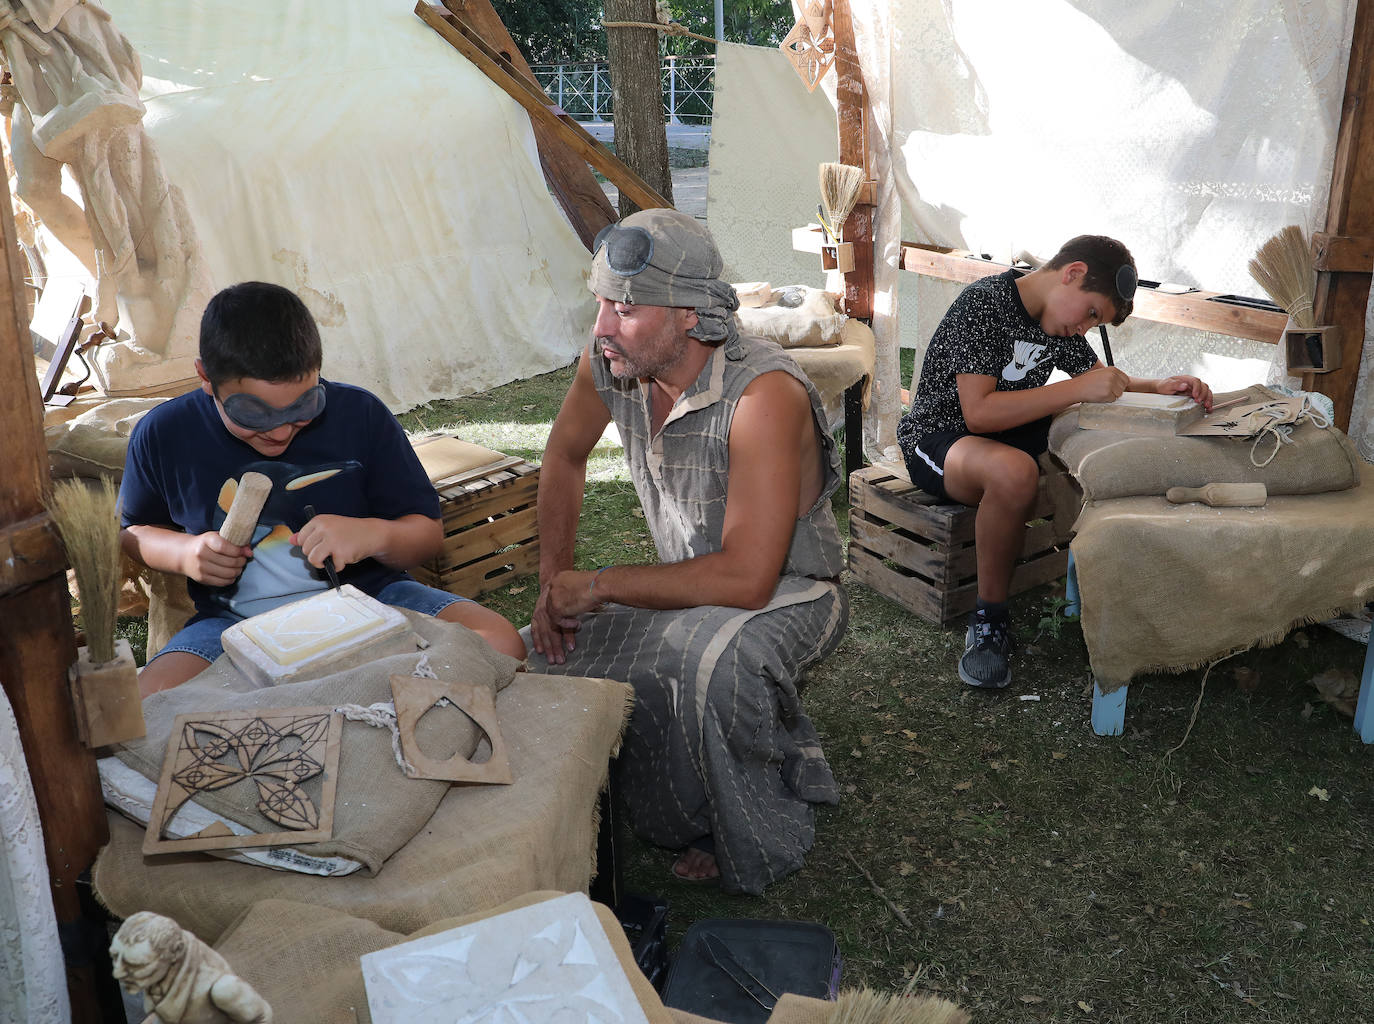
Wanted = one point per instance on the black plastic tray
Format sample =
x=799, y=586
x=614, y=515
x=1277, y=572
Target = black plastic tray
x=784, y=956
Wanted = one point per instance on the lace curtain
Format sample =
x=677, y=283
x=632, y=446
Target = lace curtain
x=33, y=981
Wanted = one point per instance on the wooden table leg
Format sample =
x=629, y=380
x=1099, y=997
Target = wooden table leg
x=1364, y=708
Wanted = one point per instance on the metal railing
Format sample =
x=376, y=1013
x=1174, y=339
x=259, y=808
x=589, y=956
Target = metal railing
x=583, y=90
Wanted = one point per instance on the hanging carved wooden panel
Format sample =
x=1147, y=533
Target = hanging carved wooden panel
x=290, y=756
x=810, y=46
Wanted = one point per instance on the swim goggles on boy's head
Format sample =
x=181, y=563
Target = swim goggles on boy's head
x=1126, y=281
x=251, y=413
x=628, y=250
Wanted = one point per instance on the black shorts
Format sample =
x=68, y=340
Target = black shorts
x=926, y=462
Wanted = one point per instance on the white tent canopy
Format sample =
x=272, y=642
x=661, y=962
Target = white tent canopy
x=351, y=154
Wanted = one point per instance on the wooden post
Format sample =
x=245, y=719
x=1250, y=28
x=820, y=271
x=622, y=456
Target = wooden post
x=853, y=127
x=641, y=140
x=1342, y=294
x=573, y=185
x=37, y=643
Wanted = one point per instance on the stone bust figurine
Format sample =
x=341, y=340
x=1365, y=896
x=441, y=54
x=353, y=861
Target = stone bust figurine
x=183, y=980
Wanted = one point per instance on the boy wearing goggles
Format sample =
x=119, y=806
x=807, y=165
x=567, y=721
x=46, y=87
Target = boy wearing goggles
x=981, y=410
x=263, y=407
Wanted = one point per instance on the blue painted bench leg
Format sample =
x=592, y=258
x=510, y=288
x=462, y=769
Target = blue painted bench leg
x=1364, y=708
x=1072, y=600
x=1109, y=711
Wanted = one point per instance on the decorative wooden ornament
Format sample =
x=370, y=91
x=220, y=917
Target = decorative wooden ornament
x=414, y=696
x=278, y=750
x=810, y=46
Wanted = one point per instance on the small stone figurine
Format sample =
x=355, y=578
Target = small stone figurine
x=183, y=980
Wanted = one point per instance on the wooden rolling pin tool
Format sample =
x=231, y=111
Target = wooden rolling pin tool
x=242, y=518
x=1220, y=495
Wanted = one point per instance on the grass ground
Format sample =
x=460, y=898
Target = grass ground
x=1044, y=873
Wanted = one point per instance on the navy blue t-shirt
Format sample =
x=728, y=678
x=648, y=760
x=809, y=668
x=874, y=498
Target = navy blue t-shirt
x=351, y=460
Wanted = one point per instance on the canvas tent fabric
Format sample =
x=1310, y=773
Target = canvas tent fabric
x=1191, y=137
x=354, y=156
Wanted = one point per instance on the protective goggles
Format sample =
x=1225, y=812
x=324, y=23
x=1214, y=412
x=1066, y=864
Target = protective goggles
x=1126, y=281
x=251, y=413
x=628, y=250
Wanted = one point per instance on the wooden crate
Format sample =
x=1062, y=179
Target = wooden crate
x=917, y=551
x=491, y=529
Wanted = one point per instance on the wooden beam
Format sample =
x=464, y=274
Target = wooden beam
x=1342, y=295
x=36, y=639
x=1199, y=310
x=853, y=128
x=1343, y=253
x=573, y=185
x=501, y=71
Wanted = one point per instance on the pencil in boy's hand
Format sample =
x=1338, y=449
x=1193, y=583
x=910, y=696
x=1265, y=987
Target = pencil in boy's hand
x=1106, y=345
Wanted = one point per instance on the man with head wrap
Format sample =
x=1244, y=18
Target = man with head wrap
x=732, y=462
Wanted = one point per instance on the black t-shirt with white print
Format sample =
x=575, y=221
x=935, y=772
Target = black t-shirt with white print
x=986, y=331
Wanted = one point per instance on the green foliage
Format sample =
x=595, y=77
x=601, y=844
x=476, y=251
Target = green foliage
x=554, y=31
x=754, y=22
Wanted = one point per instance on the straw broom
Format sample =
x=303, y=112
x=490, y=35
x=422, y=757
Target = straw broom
x=87, y=519
x=840, y=184
x=1283, y=267
x=865, y=1006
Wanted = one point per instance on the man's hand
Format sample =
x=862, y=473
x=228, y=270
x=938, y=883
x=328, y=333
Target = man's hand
x=210, y=559
x=553, y=635
x=343, y=538
x=1182, y=384
x=1103, y=384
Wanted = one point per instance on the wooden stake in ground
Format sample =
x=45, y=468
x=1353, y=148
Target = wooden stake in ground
x=641, y=140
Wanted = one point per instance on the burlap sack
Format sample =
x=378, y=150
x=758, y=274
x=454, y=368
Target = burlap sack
x=377, y=808
x=93, y=442
x=1108, y=464
x=1173, y=587
x=304, y=959
x=795, y=317
x=484, y=844
x=833, y=368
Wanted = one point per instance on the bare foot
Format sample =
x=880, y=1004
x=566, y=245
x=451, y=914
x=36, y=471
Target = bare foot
x=693, y=865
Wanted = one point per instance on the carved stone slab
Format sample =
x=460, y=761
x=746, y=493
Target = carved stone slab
x=291, y=756
x=1136, y=413
x=336, y=627
x=548, y=963
x=415, y=695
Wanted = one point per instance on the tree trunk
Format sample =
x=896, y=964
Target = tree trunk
x=641, y=140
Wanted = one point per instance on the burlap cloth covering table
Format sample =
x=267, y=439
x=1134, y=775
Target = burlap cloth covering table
x=1173, y=587
x=833, y=368
x=482, y=846
x=377, y=808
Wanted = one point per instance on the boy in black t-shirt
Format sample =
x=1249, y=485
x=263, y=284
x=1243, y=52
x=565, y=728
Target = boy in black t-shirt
x=263, y=407
x=982, y=408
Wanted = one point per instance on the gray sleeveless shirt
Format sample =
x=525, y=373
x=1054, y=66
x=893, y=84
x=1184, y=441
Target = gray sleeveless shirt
x=681, y=473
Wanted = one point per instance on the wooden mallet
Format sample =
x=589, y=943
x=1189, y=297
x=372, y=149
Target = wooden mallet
x=242, y=518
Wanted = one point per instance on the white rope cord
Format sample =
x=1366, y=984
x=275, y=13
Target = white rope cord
x=382, y=715
x=1282, y=432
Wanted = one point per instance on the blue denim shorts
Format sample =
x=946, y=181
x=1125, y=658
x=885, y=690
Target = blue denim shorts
x=201, y=637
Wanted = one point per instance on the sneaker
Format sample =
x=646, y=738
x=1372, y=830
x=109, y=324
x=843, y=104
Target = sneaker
x=987, y=646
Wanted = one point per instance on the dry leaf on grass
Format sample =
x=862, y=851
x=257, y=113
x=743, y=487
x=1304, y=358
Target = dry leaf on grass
x=1339, y=688
x=959, y=787
x=1247, y=679
x=1085, y=1007
x=1031, y=999
x=1319, y=793
x=1058, y=755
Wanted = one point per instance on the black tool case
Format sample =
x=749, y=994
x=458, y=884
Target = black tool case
x=733, y=970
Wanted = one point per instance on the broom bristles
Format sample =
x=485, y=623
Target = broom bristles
x=840, y=184
x=1283, y=267
x=87, y=519
x=865, y=1006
